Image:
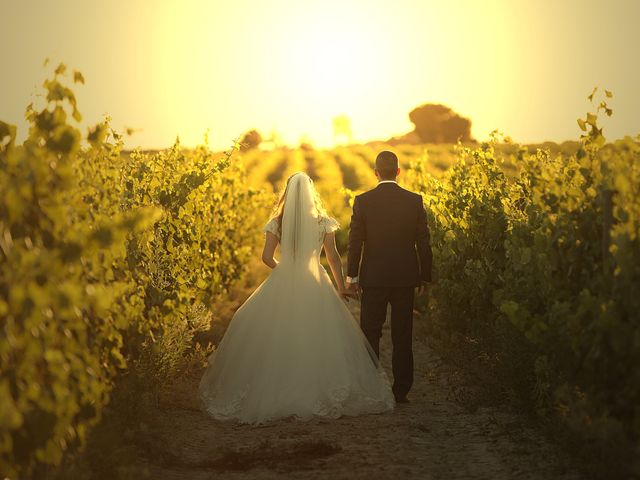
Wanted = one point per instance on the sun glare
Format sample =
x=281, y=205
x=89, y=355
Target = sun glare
x=331, y=61
x=338, y=63
x=291, y=67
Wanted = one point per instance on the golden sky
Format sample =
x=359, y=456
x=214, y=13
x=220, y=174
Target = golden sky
x=180, y=67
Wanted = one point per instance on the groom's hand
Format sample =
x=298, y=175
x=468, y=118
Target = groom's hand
x=353, y=290
x=346, y=294
x=423, y=288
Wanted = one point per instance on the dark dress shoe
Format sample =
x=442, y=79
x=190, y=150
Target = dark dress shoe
x=402, y=400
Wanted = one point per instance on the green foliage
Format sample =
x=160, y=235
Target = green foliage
x=251, y=139
x=200, y=245
x=108, y=264
x=539, y=271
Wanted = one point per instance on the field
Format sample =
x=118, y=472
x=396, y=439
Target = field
x=114, y=266
x=336, y=172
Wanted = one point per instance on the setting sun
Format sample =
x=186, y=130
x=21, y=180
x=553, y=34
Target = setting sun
x=332, y=62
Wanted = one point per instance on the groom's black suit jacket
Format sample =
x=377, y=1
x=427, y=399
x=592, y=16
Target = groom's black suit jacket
x=389, y=238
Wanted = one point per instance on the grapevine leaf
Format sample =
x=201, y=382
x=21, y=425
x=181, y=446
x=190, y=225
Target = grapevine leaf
x=78, y=77
x=582, y=125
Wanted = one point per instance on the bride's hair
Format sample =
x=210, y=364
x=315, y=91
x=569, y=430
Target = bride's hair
x=278, y=211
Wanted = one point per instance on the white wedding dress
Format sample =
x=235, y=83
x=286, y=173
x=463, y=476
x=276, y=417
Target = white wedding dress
x=293, y=349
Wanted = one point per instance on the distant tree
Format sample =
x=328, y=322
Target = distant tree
x=250, y=140
x=435, y=123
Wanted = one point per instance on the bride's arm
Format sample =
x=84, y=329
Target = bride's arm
x=334, y=261
x=270, y=244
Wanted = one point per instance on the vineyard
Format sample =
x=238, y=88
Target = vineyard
x=111, y=262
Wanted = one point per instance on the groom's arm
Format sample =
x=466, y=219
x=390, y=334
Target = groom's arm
x=423, y=244
x=356, y=239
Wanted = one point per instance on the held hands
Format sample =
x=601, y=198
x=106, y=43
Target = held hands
x=351, y=290
x=423, y=288
x=346, y=295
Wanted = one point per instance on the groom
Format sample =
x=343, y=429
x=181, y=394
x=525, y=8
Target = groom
x=389, y=256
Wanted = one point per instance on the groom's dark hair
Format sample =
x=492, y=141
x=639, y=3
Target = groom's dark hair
x=387, y=165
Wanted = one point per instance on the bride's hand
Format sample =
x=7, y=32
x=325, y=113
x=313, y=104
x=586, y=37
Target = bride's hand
x=347, y=294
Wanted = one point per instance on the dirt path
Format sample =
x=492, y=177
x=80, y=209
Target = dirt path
x=433, y=437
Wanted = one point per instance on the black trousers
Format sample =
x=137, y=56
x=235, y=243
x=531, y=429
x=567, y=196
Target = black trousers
x=373, y=314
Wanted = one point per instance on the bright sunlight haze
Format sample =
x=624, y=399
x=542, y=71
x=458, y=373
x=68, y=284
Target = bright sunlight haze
x=170, y=68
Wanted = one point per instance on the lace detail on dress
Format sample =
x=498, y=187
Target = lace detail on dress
x=273, y=227
x=347, y=400
x=223, y=410
x=326, y=225
x=343, y=400
x=329, y=224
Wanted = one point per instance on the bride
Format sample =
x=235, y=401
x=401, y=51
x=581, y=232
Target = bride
x=293, y=349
